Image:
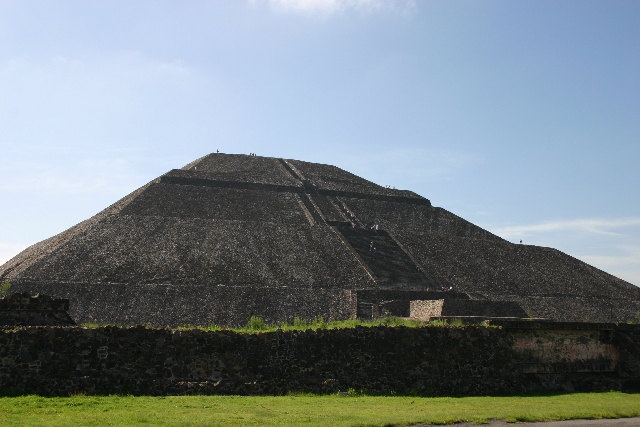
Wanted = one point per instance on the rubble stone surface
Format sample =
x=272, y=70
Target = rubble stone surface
x=228, y=237
x=514, y=357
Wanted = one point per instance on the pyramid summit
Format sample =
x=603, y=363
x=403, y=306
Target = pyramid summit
x=228, y=237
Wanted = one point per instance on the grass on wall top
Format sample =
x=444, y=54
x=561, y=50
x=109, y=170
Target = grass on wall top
x=257, y=324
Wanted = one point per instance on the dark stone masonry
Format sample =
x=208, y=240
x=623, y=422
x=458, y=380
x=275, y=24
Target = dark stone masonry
x=510, y=357
x=39, y=310
x=228, y=237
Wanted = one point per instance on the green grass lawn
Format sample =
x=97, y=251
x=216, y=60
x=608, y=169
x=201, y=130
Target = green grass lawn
x=308, y=410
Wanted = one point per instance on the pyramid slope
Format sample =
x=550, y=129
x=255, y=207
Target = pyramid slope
x=168, y=250
x=13, y=268
x=230, y=236
x=190, y=201
x=489, y=267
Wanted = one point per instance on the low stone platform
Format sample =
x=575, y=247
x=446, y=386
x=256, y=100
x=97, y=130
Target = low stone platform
x=428, y=309
x=21, y=309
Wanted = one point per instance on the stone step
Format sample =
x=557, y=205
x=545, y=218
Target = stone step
x=390, y=264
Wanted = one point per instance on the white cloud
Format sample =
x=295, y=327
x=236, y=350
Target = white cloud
x=332, y=6
x=595, y=226
x=609, y=244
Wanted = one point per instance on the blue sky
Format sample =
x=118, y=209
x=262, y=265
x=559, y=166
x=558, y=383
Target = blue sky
x=520, y=116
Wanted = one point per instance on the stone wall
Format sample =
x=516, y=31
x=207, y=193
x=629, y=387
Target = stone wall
x=162, y=305
x=430, y=360
x=425, y=309
x=482, y=308
x=379, y=295
x=398, y=308
x=628, y=338
x=565, y=350
x=40, y=310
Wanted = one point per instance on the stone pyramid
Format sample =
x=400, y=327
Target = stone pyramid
x=232, y=236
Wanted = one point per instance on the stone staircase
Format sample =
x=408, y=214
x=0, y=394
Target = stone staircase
x=379, y=253
x=388, y=262
x=367, y=310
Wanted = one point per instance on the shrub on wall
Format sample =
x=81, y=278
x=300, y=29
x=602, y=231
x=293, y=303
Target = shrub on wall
x=256, y=323
x=4, y=288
